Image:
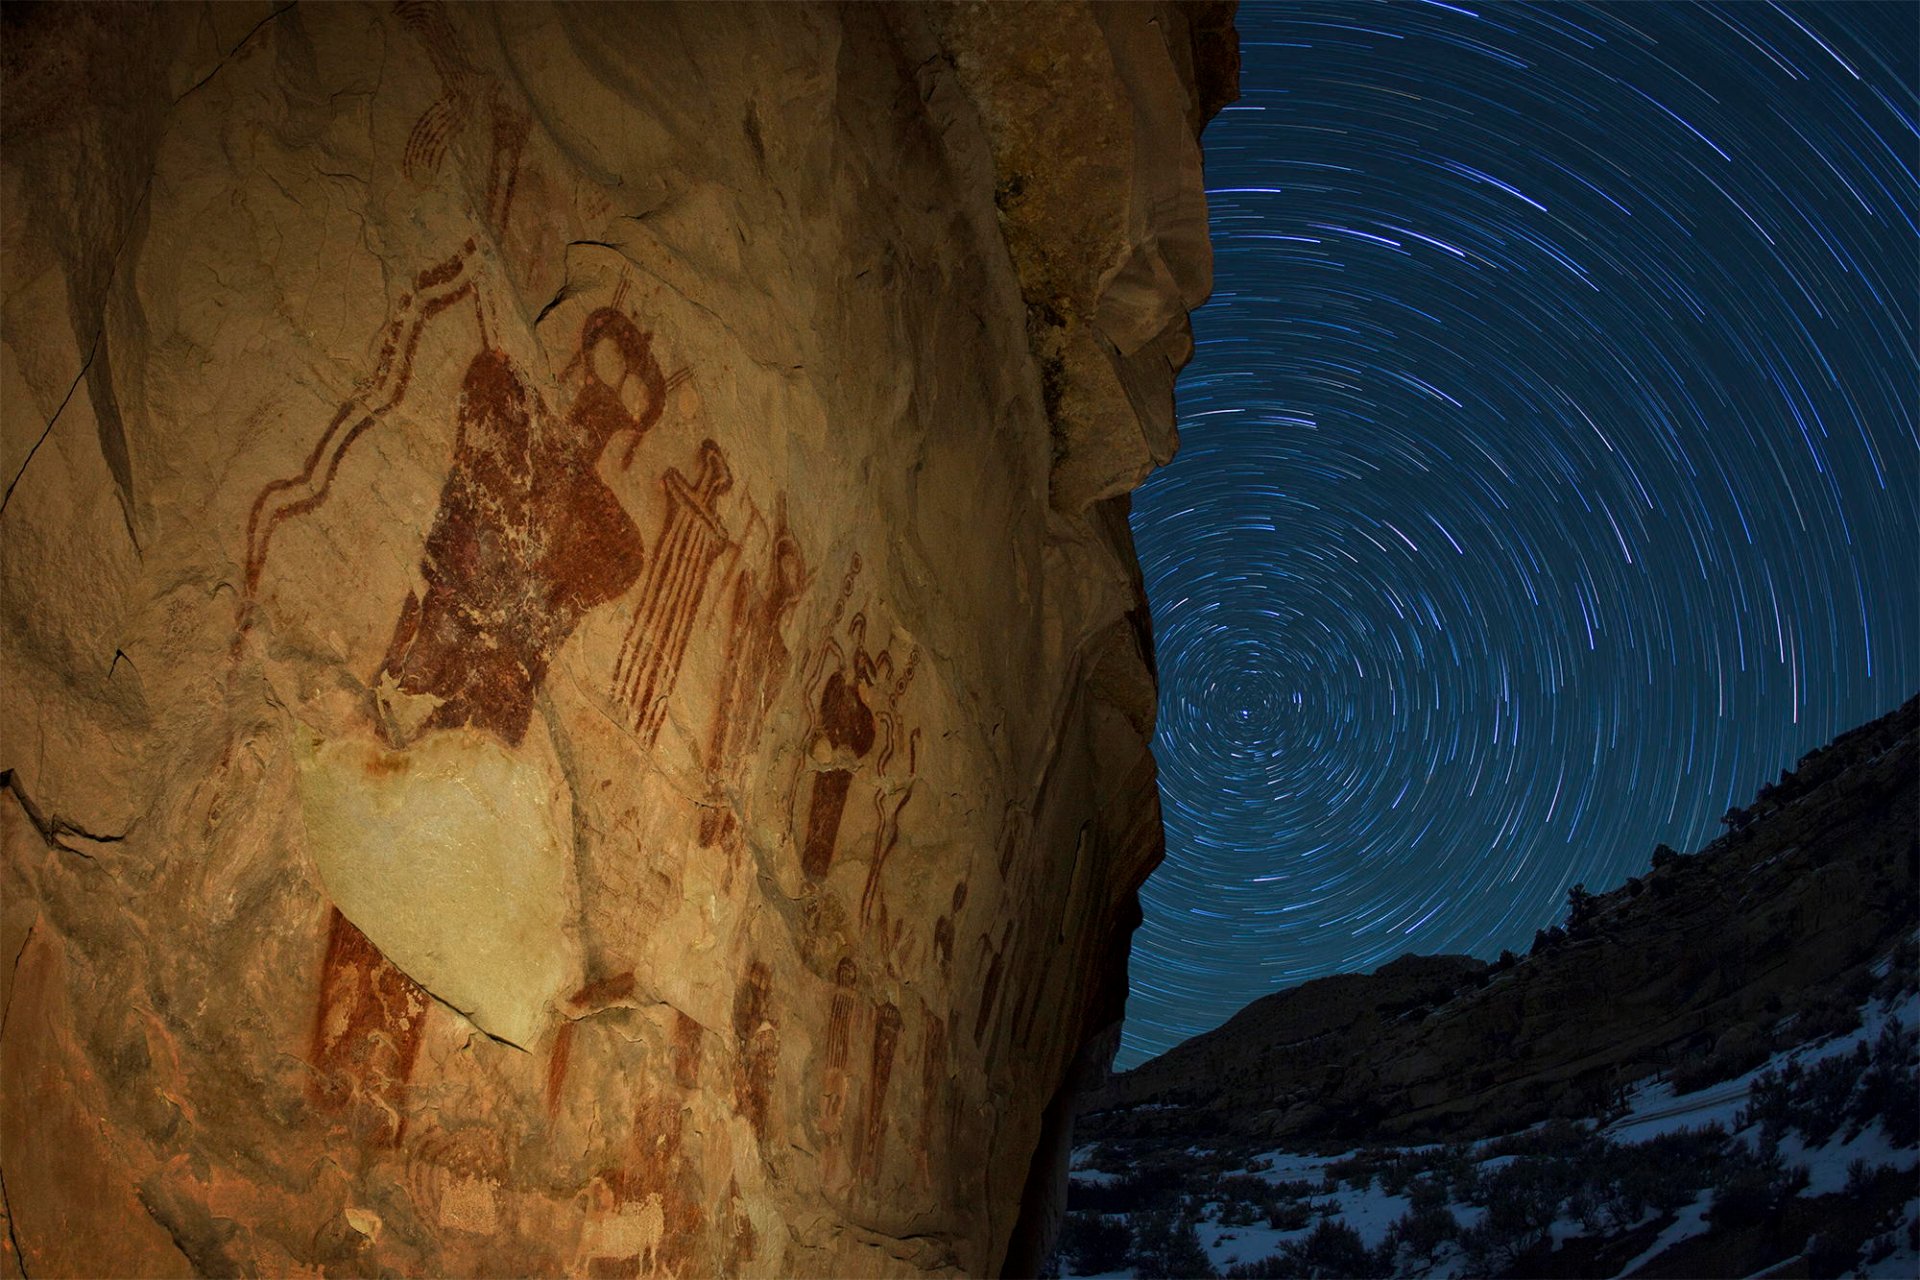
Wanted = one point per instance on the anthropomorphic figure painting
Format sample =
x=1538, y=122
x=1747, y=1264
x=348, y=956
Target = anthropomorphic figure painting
x=527, y=539
x=449, y=799
x=464, y=89
x=759, y=604
x=853, y=700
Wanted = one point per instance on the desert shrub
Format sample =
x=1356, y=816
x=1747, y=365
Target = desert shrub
x=1358, y=1170
x=1775, y=1100
x=1663, y=1174
x=1144, y=1188
x=1428, y=1191
x=1863, y=1173
x=1822, y=1100
x=1873, y=1083
x=1092, y=1243
x=1739, y=1050
x=1750, y=1187
x=1422, y=1230
x=1829, y=1016
x=1667, y=1171
x=1770, y=1101
x=1289, y=1215
x=1582, y=907
x=1167, y=1246
x=1485, y=1252
x=1244, y=1199
x=1558, y=1137
x=1647, y=1184
x=1333, y=1251
x=1620, y=1200
x=1830, y=1254
x=1523, y=1199
x=1886, y=1091
x=1399, y=1175
x=1903, y=970
x=1242, y=1186
x=1455, y=1167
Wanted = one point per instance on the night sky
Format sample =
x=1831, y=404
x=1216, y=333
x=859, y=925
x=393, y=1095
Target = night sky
x=1548, y=472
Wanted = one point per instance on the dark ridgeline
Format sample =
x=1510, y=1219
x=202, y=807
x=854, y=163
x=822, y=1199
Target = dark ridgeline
x=1692, y=967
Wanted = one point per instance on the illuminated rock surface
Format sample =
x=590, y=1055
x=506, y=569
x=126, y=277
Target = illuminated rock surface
x=575, y=685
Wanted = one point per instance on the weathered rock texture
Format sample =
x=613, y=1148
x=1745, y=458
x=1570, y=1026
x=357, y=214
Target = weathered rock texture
x=576, y=692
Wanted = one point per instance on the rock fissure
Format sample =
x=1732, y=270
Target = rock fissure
x=53, y=828
x=46, y=431
x=13, y=1238
x=230, y=54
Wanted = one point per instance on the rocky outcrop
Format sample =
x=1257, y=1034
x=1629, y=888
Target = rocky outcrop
x=576, y=690
x=1702, y=965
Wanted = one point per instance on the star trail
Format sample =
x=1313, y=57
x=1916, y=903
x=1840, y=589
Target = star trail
x=1548, y=473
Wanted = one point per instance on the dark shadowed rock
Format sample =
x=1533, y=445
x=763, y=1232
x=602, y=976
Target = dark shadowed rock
x=1697, y=966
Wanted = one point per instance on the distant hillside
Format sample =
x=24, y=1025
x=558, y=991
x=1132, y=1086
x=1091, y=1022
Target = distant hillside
x=1700, y=968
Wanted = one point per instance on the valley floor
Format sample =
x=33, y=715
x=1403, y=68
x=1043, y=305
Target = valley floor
x=1803, y=1166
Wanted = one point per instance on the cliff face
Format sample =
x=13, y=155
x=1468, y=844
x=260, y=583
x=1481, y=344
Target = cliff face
x=1701, y=967
x=576, y=692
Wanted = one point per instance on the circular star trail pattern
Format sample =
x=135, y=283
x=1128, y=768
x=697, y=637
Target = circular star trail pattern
x=1548, y=473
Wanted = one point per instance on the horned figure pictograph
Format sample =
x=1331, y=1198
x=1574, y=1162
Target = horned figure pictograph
x=526, y=540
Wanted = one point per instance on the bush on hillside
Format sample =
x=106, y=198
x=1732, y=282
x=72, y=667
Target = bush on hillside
x=1751, y=1187
x=1421, y=1231
x=1092, y=1243
x=1872, y=1084
x=1522, y=1199
x=1582, y=908
x=1156, y=1186
x=1168, y=1246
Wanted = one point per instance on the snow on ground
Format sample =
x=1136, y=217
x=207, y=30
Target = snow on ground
x=1653, y=1110
x=1371, y=1212
x=1902, y=1262
x=1231, y=1246
x=1691, y=1221
x=1291, y=1166
x=1827, y=1166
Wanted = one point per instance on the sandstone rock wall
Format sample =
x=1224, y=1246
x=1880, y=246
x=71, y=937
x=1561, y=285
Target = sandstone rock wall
x=576, y=692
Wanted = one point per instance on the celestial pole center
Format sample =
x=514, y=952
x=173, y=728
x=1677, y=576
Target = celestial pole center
x=1548, y=474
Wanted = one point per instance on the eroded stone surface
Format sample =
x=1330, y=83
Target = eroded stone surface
x=454, y=857
x=575, y=687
